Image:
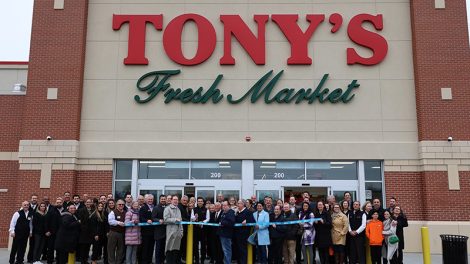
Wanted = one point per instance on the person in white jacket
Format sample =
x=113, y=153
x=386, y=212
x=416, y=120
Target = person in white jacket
x=389, y=250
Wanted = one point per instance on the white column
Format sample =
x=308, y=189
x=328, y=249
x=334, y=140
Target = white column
x=135, y=177
x=361, y=182
x=247, y=179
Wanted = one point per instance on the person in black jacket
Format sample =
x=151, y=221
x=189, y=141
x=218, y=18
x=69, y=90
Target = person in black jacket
x=20, y=229
x=39, y=231
x=68, y=234
x=243, y=216
x=356, y=237
x=225, y=232
x=86, y=237
x=185, y=216
x=276, y=234
x=52, y=226
x=288, y=248
x=402, y=222
x=214, y=240
x=323, y=232
x=160, y=230
x=98, y=231
x=200, y=215
x=148, y=242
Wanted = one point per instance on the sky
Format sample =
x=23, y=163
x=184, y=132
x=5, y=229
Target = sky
x=15, y=28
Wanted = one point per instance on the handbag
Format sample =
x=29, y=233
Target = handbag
x=393, y=239
x=253, y=239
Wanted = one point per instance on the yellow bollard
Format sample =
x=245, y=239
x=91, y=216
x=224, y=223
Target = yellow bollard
x=189, y=245
x=71, y=258
x=368, y=257
x=249, y=254
x=425, y=245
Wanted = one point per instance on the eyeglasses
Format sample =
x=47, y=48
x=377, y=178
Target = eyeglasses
x=120, y=204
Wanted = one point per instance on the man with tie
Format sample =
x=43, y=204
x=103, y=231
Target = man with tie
x=33, y=206
x=243, y=216
x=160, y=230
x=148, y=241
x=217, y=254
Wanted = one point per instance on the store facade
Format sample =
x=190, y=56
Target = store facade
x=245, y=97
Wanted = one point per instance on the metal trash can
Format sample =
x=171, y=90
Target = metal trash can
x=454, y=249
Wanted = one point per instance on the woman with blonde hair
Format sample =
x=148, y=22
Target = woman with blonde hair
x=98, y=222
x=339, y=230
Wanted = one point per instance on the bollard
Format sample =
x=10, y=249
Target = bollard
x=249, y=254
x=425, y=244
x=189, y=245
x=71, y=258
x=368, y=257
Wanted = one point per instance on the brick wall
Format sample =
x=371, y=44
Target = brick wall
x=441, y=59
x=406, y=187
x=94, y=183
x=57, y=58
x=11, y=112
x=8, y=176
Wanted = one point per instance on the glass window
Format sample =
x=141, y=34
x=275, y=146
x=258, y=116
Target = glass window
x=208, y=195
x=339, y=195
x=156, y=194
x=123, y=169
x=121, y=188
x=174, y=191
x=160, y=169
x=373, y=170
x=229, y=193
x=373, y=191
x=331, y=170
x=260, y=194
x=279, y=170
x=216, y=170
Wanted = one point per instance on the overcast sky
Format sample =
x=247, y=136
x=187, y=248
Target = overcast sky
x=15, y=28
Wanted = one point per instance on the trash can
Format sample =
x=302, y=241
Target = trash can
x=454, y=249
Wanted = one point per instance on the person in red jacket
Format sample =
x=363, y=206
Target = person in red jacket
x=374, y=233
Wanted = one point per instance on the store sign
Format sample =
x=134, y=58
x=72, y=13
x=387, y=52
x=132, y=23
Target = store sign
x=158, y=82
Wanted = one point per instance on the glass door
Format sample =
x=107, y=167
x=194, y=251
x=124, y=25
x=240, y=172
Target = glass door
x=174, y=190
x=208, y=193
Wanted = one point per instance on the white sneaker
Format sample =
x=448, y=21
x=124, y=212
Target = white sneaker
x=37, y=262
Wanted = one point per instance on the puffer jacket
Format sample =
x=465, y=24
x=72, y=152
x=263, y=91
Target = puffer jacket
x=132, y=235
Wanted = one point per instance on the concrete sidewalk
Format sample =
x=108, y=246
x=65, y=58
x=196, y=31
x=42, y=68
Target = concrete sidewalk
x=408, y=258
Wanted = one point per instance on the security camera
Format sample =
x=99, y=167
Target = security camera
x=449, y=139
x=48, y=138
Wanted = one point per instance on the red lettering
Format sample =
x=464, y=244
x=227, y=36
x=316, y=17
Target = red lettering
x=136, y=41
x=206, y=39
x=298, y=40
x=367, y=39
x=255, y=46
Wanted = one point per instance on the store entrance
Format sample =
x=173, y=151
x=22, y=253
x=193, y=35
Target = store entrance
x=316, y=193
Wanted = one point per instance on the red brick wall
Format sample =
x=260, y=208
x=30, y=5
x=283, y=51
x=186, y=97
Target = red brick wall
x=56, y=60
x=11, y=112
x=8, y=176
x=94, y=183
x=406, y=187
x=441, y=59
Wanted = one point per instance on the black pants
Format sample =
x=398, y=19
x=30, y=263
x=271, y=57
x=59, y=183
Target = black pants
x=357, y=250
x=18, y=249
x=160, y=251
x=400, y=255
x=31, y=249
x=97, y=249
x=323, y=253
x=105, y=249
x=376, y=254
x=62, y=256
x=84, y=252
x=242, y=249
x=39, y=241
x=199, y=240
x=50, y=241
x=298, y=249
x=173, y=257
x=275, y=251
x=148, y=244
x=184, y=239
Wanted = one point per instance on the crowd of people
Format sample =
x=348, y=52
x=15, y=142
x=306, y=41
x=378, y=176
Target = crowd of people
x=114, y=230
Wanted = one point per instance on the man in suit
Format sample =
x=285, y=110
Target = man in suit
x=200, y=214
x=148, y=241
x=214, y=241
x=21, y=229
x=243, y=216
x=185, y=216
x=225, y=232
x=52, y=226
x=160, y=230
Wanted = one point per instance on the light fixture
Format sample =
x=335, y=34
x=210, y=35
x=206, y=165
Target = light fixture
x=375, y=167
x=342, y=162
x=153, y=162
x=268, y=162
x=336, y=167
x=19, y=88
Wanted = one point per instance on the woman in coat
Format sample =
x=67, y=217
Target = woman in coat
x=262, y=233
x=402, y=222
x=389, y=251
x=308, y=235
x=277, y=234
x=132, y=235
x=339, y=230
x=39, y=231
x=86, y=237
x=174, y=231
x=98, y=223
x=323, y=232
x=68, y=234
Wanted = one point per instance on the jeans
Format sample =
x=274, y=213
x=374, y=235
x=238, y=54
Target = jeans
x=261, y=251
x=131, y=254
x=227, y=249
